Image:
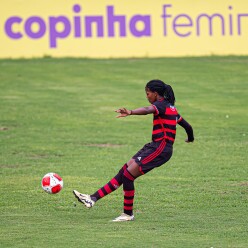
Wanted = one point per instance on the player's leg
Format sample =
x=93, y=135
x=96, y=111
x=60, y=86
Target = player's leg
x=149, y=157
x=115, y=182
x=129, y=175
x=112, y=185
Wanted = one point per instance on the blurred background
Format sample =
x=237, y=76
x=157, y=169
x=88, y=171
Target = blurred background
x=119, y=29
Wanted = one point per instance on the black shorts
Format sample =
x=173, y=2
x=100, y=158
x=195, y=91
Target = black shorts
x=153, y=155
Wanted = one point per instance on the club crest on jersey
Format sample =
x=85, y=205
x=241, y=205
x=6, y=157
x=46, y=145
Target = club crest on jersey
x=139, y=158
x=172, y=108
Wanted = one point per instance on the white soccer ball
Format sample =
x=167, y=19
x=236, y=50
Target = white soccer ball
x=52, y=183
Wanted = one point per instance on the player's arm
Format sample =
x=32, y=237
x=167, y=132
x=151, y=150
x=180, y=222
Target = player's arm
x=123, y=112
x=188, y=128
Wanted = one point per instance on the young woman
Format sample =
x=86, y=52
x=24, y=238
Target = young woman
x=153, y=154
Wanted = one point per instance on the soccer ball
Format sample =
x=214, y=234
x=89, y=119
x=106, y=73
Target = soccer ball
x=52, y=183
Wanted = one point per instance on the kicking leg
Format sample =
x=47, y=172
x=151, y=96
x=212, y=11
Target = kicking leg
x=112, y=185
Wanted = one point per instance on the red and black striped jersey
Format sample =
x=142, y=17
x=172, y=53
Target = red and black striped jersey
x=165, y=120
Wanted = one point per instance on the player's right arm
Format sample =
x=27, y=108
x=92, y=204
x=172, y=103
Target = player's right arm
x=123, y=112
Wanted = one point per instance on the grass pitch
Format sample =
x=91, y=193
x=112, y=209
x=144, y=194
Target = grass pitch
x=57, y=115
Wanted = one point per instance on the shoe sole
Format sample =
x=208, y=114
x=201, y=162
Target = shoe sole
x=80, y=200
x=122, y=220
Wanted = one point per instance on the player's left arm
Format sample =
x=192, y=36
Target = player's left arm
x=188, y=128
x=123, y=112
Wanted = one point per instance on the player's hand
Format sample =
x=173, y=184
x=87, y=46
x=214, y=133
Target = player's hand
x=123, y=112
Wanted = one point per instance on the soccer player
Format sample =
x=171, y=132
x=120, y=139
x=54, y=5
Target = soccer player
x=153, y=154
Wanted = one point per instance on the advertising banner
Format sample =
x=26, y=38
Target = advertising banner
x=122, y=28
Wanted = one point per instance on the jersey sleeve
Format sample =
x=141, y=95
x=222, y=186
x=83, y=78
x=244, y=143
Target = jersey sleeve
x=187, y=127
x=159, y=109
x=179, y=118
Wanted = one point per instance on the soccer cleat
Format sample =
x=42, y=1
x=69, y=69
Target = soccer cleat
x=124, y=217
x=85, y=199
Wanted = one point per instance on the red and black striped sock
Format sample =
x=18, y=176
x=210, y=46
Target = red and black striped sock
x=128, y=189
x=111, y=186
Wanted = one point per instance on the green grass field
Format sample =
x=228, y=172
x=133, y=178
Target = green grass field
x=57, y=115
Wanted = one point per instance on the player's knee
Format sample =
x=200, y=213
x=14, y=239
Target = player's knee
x=131, y=161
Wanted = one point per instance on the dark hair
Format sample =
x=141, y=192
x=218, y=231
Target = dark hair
x=163, y=89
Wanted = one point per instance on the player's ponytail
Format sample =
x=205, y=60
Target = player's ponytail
x=169, y=94
x=162, y=89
